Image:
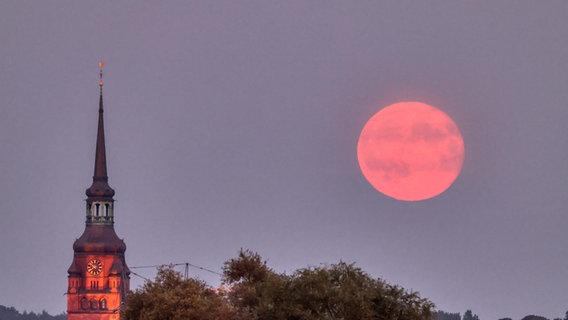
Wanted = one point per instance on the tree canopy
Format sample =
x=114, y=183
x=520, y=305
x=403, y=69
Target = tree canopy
x=253, y=291
x=171, y=297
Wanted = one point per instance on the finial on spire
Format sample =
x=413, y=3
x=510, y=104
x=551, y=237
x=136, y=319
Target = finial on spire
x=100, y=187
x=101, y=65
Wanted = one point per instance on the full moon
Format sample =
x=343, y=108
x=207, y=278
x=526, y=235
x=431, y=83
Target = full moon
x=410, y=151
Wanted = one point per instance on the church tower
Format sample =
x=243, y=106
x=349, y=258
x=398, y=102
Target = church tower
x=98, y=276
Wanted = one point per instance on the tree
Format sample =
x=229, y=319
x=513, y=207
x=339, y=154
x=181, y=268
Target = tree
x=441, y=315
x=468, y=315
x=337, y=291
x=247, y=276
x=170, y=297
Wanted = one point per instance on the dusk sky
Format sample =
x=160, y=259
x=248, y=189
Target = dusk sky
x=234, y=124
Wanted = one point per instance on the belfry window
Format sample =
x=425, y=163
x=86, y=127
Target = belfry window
x=97, y=207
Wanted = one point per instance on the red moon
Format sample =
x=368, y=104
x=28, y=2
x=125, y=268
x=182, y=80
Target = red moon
x=410, y=151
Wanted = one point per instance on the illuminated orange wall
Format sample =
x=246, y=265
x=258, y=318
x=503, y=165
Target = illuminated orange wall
x=108, y=288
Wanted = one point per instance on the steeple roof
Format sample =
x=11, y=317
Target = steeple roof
x=100, y=187
x=99, y=238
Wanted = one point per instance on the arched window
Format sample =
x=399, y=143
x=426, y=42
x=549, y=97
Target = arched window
x=84, y=303
x=103, y=304
x=94, y=304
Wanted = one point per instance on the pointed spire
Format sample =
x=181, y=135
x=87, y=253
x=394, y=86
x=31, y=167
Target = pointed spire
x=100, y=187
x=100, y=156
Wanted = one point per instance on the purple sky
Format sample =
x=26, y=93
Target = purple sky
x=235, y=123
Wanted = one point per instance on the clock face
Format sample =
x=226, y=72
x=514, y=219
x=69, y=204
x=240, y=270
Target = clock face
x=94, y=267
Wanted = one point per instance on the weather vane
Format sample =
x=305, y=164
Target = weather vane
x=101, y=65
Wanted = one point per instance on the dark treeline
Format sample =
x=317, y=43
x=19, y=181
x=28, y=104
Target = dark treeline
x=253, y=291
x=10, y=313
x=468, y=315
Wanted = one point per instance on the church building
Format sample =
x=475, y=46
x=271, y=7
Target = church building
x=98, y=276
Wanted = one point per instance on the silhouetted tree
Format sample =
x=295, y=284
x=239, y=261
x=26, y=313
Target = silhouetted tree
x=468, y=315
x=441, y=315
